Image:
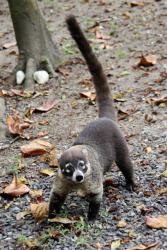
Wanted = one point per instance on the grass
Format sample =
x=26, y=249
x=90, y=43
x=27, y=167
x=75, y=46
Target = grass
x=14, y=167
x=121, y=54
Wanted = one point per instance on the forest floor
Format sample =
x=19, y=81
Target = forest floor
x=120, y=32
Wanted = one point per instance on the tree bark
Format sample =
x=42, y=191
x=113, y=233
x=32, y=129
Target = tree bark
x=36, y=48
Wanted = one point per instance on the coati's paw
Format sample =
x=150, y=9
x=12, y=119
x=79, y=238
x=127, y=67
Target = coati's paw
x=51, y=214
x=130, y=187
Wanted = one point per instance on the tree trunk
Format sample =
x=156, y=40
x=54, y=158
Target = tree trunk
x=36, y=48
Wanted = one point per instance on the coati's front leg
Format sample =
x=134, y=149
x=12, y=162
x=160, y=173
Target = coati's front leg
x=57, y=197
x=94, y=204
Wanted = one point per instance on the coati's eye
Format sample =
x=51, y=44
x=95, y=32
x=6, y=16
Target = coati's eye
x=81, y=164
x=68, y=169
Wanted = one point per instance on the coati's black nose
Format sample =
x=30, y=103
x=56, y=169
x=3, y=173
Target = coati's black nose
x=79, y=178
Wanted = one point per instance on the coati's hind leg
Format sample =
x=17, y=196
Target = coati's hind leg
x=125, y=165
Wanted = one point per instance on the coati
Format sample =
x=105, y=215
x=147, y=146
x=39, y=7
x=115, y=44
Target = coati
x=83, y=165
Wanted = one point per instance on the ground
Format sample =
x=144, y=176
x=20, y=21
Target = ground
x=127, y=32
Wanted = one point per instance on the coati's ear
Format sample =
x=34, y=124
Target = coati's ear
x=85, y=152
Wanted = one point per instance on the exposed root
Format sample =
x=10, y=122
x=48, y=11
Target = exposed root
x=29, y=67
x=47, y=65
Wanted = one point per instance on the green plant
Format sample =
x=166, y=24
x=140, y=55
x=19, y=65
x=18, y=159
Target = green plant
x=121, y=54
x=89, y=22
x=21, y=238
x=81, y=241
x=113, y=28
x=14, y=167
x=70, y=48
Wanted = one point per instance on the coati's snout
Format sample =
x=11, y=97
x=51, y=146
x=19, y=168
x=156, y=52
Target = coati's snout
x=74, y=165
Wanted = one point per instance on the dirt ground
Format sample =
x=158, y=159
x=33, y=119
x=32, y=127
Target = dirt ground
x=126, y=32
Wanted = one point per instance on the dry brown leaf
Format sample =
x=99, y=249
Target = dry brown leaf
x=39, y=211
x=136, y=3
x=47, y=171
x=122, y=114
x=31, y=244
x=161, y=191
x=50, y=158
x=153, y=246
x=35, y=193
x=36, y=147
x=99, y=245
x=62, y=220
x=22, y=214
x=99, y=34
x=108, y=182
x=55, y=234
x=148, y=150
x=64, y=71
x=159, y=222
x=9, y=45
x=158, y=101
x=41, y=134
x=121, y=224
x=16, y=188
x=4, y=92
x=22, y=93
x=148, y=60
x=15, y=125
x=46, y=106
x=91, y=95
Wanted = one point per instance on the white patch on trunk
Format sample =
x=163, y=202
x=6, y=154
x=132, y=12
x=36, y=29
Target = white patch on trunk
x=20, y=77
x=41, y=76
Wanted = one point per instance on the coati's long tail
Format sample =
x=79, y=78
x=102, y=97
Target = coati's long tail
x=103, y=94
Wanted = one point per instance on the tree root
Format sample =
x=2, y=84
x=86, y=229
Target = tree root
x=3, y=128
x=29, y=66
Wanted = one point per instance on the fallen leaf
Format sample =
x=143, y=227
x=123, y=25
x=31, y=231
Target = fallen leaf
x=22, y=93
x=148, y=150
x=36, y=147
x=98, y=245
x=148, y=60
x=62, y=220
x=35, y=193
x=164, y=173
x=22, y=214
x=108, y=182
x=50, y=158
x=121, y=224
x=64, y=71
x=31, y=244
x=39, y=211
x=21, y=164
x=115, y=244
x=162, y=190
x=16, y=188
x=159, y=222
x=9, y=45
x=55, y=234
x=136, y=3
x=15, y=125
x=46, y=106
x=47, y=171
x=159, y=100
x=122, y=114
x=91, y=95
x=41, y=134
x=145, y=246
